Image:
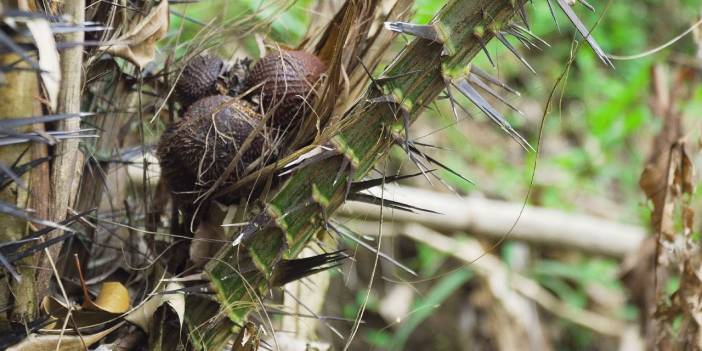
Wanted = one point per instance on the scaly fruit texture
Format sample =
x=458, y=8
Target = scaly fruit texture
x=195, y=150
x=199, y=79
x=284, y=82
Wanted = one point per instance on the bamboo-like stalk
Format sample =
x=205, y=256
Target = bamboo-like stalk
x=298, y=211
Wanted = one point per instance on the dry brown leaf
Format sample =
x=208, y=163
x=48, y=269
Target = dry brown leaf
x=667, y=181
x=667, y=220
x=248, y=338
x=679, y=181
x=688, y=216
x=82, y=318
x=139, y=44
x=36, y=342
x=655, y=177
x=687, y=172
x=649, y=181
x=143, y=314
x=113, y=298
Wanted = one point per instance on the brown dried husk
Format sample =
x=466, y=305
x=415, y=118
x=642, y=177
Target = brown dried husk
x=195, y=150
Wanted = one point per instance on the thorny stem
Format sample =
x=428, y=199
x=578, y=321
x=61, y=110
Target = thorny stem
x=409, y=84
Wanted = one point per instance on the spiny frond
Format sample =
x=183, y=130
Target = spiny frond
x=88, y=26
x=486, y=52
x=523, y=15
x=553, y=14
x=468, y=91
x=18, y=122
x=13, y=174
x=514, y=51
x=345, y=232
x=565, y=7
x=587, y=4
x=7, y=43
x=12, y=210
x=8, y=137
x=374, y=200
x=492, y=79
x=526, y=37
x=474, y=79
x=287, y=271
x=417, y=151
x=527, y=33
x=372, y=183
x=5, y=263
x=12, y=249
x=273, y=310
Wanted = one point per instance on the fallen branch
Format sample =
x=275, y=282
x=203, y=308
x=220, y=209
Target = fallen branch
x=499, y=277
x=491, y=218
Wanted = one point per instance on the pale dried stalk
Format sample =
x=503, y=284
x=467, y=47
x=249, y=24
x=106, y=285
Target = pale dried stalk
x=65, y=171
x=496, y=273
x=494, y=219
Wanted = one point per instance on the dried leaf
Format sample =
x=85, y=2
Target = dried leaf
x=176, y=300
x=113, y=298
x=248, y=338
x=667, y=221
x=686, y=172
x=48, y=58
x=36, y=342
x=319, y=152
x=688, y=216
x=82, y=318
x=649, y=181
x=139, y=44
x=666, y=179
x=142, y=315
x=655, y=177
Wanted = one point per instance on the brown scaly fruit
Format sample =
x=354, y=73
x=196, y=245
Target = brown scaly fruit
x=284, y=83
x=196, y=150
x=199, y=79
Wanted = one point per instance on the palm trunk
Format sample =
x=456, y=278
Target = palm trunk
x=19, y=95
x=299, y=210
